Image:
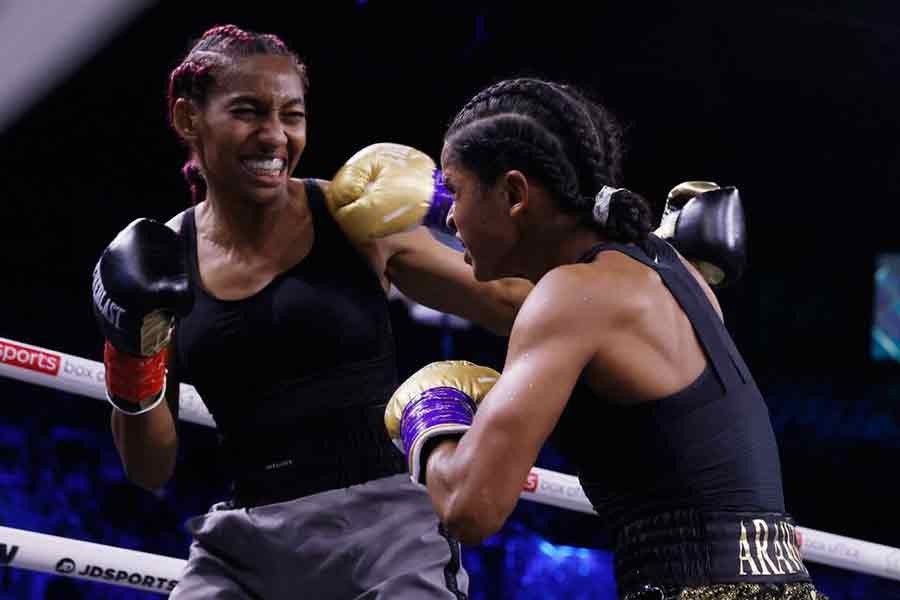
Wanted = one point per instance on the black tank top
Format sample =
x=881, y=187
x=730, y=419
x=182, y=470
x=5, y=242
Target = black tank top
x=296, y=375
x=708, y=447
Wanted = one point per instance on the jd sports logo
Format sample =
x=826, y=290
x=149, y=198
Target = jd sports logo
x=7, y=553
x=65, y=565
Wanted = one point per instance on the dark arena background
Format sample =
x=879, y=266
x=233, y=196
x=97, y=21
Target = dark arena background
x=795, y=103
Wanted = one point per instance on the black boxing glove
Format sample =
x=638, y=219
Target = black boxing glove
x=705, y=223
x=140, y=284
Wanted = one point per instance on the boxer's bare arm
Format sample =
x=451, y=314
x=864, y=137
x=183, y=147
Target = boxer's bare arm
x=437, y=276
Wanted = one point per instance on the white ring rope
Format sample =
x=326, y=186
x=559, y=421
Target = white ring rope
x=41, y=552
x=86, y=560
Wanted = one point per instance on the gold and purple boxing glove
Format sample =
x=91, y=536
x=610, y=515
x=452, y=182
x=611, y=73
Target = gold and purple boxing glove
x=438, y=400
x=385, y=189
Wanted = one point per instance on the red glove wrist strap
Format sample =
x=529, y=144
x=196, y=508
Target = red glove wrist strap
x=134, y=378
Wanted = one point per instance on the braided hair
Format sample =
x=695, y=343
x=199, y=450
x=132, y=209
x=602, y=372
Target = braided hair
x=556, y=135
x=195, y=76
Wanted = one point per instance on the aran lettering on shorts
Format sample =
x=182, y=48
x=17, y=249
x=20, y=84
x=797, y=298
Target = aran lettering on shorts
x=768, y=551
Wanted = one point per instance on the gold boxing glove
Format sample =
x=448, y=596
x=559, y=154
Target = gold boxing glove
x=437, y=400
x=387, y=188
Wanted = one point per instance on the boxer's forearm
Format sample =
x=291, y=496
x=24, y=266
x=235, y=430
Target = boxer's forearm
x=432, y=274
x=454, y=499
x=147, y=445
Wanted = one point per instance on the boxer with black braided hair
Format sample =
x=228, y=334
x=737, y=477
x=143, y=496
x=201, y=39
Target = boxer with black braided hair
x=619, y=351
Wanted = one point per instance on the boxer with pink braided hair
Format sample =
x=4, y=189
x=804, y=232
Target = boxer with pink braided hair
x=258, y=297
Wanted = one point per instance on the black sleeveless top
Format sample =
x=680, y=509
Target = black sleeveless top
x=708, y=447
x=296, y=375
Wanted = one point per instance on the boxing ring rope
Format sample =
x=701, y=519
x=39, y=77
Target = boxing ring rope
x=86, y=560
x=149, y=572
